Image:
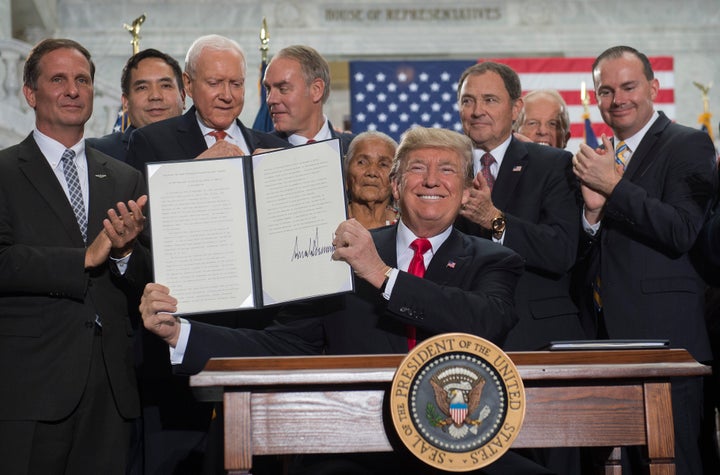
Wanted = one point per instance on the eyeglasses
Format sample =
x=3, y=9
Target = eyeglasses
x=535, y=124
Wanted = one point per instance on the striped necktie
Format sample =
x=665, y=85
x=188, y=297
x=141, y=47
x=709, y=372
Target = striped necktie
x=74, y=190
x=622, y=154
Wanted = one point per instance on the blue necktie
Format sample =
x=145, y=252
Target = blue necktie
x=73, y=184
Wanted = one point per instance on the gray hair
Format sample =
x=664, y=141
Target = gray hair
x=213, y=42
x=369, y=135
x=553, y=94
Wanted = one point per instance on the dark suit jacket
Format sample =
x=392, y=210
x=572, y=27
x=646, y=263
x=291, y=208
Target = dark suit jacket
x=473, y=295
x=345, y=137
x=48, y=301
x=536, y=190
x=114, y=144
x=650, y=288
x=180, y=138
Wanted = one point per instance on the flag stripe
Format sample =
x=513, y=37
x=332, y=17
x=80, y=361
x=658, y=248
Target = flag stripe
x=377, y=106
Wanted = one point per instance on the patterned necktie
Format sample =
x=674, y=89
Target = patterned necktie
x=416, y=267
x=486, y=161
x=218, y=134
x=622, y=152
x=73, y=184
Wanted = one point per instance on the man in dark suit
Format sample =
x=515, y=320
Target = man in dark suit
x=176, y=424
x=523, y=197
x=646, y=197
x=152, y=90
x=297, y=82
x=468, y=286
x=525, y=200
x=67, y=267
x=214, y=79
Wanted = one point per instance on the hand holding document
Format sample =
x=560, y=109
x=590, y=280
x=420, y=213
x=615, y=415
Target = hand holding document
x=247, y=232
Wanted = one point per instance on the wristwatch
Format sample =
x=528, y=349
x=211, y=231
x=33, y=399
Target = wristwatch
x=497, y=225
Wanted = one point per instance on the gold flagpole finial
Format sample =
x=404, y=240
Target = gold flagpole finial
x=134, y=30
x=704, y=90
x=264, y=40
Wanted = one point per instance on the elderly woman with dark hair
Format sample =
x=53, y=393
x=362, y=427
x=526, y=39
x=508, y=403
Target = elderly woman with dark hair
x=367, y=179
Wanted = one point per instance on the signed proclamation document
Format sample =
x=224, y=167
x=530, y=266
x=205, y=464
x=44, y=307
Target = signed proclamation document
x=247, y=232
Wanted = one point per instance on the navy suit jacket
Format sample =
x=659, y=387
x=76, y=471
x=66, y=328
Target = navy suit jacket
x=114, y=144
x=650, y=288
x=180, y=138
x=537, y=191
x=345, y=137
x=468, y=287
x=48, y=300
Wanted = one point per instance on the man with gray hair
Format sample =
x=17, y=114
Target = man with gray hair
x=214, y=79
x=544, y=118
x=297, y=82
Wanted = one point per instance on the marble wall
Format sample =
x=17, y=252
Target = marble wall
x=344, y=30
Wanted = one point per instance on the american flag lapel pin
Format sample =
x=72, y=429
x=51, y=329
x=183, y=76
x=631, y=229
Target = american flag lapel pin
x=451, y=264
x=517, y=168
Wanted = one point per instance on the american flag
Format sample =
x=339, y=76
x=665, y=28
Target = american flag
x=391, y=96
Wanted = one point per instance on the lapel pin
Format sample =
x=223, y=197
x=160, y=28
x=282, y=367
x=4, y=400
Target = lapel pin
x=517, y=168
x=451, y=264
x=100, y=176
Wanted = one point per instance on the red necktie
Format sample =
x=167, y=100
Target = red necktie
x=486, y=161
x=416, y=267
x=310, y=141
x=218, y=134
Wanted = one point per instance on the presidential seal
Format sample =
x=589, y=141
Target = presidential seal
x=457, y=402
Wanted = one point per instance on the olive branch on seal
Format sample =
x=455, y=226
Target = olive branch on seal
x=433, y=416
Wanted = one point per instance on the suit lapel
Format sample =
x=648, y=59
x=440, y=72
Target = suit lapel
x=513, y=166
x=386, y=243
x=641, y=160
x=34, y=165
x=190, y=136
x=126, y=137
x=449, y=261
x=101, y=189
x=248, y=136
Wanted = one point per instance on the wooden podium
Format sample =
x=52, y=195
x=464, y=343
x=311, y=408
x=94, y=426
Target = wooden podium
x=328, y=404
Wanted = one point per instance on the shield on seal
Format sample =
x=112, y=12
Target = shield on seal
x=458, y=412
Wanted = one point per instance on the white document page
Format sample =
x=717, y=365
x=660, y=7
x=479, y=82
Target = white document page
x=201, y=248
x=300, y=201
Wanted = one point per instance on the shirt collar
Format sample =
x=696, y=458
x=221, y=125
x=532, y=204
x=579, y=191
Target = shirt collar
x=498, y=154
x=405, y=237
x=53, y=150
x=323, y=134
x=233, y=131
x=633, y=142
